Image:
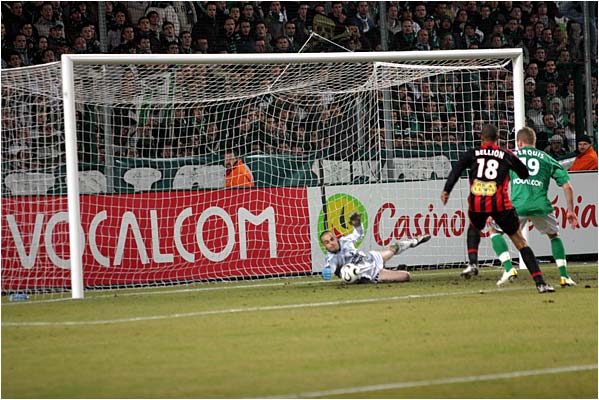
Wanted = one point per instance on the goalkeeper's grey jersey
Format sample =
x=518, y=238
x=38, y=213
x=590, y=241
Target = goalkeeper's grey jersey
x=347, y=251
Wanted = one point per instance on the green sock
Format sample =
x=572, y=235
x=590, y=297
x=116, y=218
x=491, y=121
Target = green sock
x=559, y=254
x=500, y=247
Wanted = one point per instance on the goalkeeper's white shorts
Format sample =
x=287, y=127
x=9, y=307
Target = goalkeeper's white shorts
x=371, y=266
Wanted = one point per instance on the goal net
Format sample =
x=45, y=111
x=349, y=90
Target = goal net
x=321, y=137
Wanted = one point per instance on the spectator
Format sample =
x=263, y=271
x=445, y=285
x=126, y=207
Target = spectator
x=246, y=44
x=550, y=73
x=290, y=36
x=550, y=96
x=542, y=12
x=556, y=108
x=116, y=26
x=393, y=24
x=530, y=90
x=14, y=60
x=46, y=21
x=535, y=113
x=144, y=31
x=20, y=47
x=446, y=42
x=338, y=16
x=513, y=32
x=445, y=26
x=79, y=45
x=556, y=147
x=433, y=37
x=48, y=56
x=275, y=19
x=186, y=15
x=165, y=12
x=237, y=174
x=301, y=24
x=497, y=31
x=261, y=33
x=362, y=18
x=422, y=41
x=74, y=24
x=208, y=27
x=420, y=14
x=586, y=158
x=248, y=14
x=564, y=68
x=201, y=46
x=168, y=36
x=42, y=44
x=235, y=13
x=540, y=56
x=186, y=43
x=459, y=22
x=89, y=34
x=485, y=23
x=469, y=36
x=14, y=19
x=127, y=40
x=405, y=39
x=56, y=38
x=548, y=131
x=570, y=130
x=230, y=38
x=86, y=15
x=260, y=46
x=173, y=48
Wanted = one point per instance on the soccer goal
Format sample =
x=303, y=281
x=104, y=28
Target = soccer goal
x=114, y=166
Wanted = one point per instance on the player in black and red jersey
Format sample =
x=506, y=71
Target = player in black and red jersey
x=489, y=181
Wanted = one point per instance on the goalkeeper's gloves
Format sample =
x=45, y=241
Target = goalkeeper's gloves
x=326, y=273
x=355, y=219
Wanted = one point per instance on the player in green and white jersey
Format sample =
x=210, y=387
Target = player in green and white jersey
x=529, y=197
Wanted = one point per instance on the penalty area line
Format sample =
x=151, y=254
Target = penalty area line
x=254, y=309
x=443, y=381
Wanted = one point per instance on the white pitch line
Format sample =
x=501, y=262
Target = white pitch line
x=252, y=309
x=146, y=292
x=443, y=381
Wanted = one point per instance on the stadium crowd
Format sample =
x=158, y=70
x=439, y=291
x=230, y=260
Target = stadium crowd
x=36, y=32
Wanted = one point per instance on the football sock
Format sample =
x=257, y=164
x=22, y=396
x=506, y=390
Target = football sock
x=501, y=249
x=402, y=245
x=473, y=240
x=559, y=254
x=531, y=263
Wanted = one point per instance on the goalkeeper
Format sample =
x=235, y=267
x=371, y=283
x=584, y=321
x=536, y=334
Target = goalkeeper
x=529, y=197
x=371, y=265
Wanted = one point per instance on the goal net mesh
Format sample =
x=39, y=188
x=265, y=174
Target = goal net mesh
x=320, y=142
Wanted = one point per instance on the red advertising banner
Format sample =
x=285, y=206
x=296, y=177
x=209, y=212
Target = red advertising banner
x=157, y=237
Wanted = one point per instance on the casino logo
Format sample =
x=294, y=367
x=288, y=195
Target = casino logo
x=339, y=208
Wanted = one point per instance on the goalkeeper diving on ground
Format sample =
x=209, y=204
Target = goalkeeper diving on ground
x=355, y=266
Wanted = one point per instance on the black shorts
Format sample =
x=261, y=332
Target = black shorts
x=507, y=220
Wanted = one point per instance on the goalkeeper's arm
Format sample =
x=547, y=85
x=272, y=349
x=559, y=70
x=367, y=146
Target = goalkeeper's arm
x=355, y=220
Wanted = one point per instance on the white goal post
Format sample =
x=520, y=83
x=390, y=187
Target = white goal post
x=356, y=99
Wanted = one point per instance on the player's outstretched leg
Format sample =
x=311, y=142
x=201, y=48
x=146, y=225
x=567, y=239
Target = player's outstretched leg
x=533, y=267
x=473, y=240
x=500, y=246
x=402, y=245
x=418, y=240
x=558, y=252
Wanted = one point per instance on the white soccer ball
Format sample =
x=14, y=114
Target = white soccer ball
x=350, y=273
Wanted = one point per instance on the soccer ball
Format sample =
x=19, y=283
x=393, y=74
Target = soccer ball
x=350, y=273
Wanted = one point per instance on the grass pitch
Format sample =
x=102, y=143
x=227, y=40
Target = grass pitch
x=438, y=336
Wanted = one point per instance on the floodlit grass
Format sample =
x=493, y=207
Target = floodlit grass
x=306, y=337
